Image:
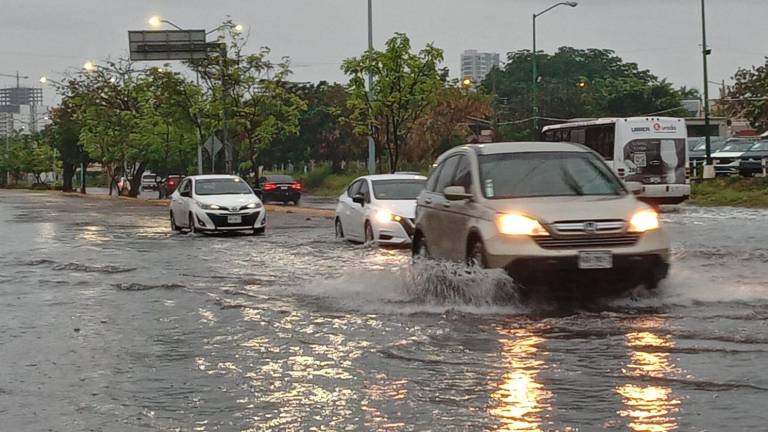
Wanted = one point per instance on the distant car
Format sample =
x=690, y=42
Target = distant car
x=726, y=159
x=149, y=181
x=546, y=213
x=379, y=208
x=209, y=203
x=751, y=161
x=168, y=185
x=699, y=150
x=282, y=188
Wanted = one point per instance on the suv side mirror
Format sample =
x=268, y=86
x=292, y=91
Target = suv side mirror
x=359, y=198
x=456, y=193
x=634, y=187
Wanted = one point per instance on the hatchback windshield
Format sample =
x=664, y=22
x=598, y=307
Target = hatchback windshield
x=738, y=146
x=221, y=186
x=517, y=175
x=397, y=189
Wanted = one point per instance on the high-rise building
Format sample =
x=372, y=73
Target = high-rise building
x=476, y=65
x=21, y=110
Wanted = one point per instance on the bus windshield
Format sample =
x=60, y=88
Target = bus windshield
x=544, y=174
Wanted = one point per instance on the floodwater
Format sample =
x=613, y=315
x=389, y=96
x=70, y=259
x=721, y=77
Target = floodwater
x=109, y=322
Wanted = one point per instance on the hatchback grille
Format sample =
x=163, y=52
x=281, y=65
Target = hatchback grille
x=587, y=242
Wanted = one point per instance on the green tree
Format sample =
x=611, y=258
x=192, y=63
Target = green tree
x=404, y=87
x=576, y=83
x=63, y=134
x=748, y=96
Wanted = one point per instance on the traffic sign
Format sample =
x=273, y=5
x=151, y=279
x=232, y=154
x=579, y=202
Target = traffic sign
x=168, y=45
x=213, y=145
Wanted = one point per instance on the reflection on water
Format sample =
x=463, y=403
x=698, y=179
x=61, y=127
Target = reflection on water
x=649, y=407
x=520, y=400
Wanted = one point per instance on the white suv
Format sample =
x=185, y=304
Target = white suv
x=544, y=212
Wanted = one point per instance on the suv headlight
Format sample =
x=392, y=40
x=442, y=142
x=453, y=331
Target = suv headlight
x=644, y=220
x=517, y=224
x=205, y=206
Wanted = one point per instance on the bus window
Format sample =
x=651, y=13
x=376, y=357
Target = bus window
x=600, y=139
x=578, y=136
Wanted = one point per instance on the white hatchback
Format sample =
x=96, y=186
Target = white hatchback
x=379, y=208
x=209, y=203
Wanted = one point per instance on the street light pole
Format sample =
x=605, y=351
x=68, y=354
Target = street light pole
x=534, y=88
x=704, y=53
x=371, y=143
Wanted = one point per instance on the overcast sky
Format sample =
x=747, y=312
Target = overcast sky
x=49, y=37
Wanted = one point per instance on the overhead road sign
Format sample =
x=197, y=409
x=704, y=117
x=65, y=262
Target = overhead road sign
x=148, y=45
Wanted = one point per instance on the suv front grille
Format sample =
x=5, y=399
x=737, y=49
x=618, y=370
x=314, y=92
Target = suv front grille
x=586, y=242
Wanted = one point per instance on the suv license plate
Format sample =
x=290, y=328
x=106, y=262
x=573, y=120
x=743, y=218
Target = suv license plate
x=596, y=260
x=234, y=219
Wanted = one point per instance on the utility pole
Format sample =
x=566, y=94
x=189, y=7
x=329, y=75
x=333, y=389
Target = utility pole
x=228, y=156
x=704, y=53
x=534, y=89
x=371, y=143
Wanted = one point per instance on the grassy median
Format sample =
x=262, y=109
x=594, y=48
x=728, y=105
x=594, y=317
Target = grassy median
x=731, y=191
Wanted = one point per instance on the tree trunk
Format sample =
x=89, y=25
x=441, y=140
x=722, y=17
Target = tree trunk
x=67, y=174
x=136, y=181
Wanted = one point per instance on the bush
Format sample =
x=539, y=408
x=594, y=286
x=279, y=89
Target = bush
x=323, y=182
x=731, y=191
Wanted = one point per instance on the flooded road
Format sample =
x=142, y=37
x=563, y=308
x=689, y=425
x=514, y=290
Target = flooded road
x=109, y=322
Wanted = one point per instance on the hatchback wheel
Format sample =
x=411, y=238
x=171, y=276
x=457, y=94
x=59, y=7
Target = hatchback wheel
x=368, y=233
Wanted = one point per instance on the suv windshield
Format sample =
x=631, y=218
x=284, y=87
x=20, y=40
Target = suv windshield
x=518, y=175
x=221, y=186
x=739, y=146
x=397, y=189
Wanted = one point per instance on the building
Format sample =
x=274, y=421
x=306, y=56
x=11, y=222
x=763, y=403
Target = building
x=476, y=65
x=21, y=110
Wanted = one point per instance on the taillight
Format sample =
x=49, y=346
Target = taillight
x=269, y=186
x=296, y=186
x=171, y=183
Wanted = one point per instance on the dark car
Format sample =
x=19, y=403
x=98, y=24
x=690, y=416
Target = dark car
x=168, y=186
x=698, y=151
x=751, y=161
x=281, y=188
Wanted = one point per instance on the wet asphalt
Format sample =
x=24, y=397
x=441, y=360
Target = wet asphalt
x=110, y=322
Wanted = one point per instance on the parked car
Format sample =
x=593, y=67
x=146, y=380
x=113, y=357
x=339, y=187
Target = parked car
x=379, y=208
x=751, y=161
x=208, y=203
x=726, y=159
x=699, y=151
x=282, y=188
x=149, y=181
x=168, y=185
x=546, y=213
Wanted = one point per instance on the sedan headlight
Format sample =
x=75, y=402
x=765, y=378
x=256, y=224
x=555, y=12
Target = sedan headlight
x=205, y=206
x=644, y=220
x=384, y=216
x=517, y=224
x=253, y=205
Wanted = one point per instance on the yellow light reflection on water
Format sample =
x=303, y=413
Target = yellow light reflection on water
x=520, y=398
x=649, y=407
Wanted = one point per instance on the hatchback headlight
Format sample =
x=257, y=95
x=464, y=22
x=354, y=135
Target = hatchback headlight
x=205, y=206
x=384, y=216
x=517, y=224
x=644, y=220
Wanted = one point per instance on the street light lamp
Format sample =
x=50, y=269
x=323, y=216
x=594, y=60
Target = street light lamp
x=535, y=72
x=89, y=66
x=157, y=21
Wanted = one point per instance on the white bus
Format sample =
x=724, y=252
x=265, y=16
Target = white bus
x=648, y=150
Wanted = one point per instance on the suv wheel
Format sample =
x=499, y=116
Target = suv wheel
x=476, y=254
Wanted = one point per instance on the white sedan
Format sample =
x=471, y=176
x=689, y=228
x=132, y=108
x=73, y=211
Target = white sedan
x=215, y=203
x=379, y=208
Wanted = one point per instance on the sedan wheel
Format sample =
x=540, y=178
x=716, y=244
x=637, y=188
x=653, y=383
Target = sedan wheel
x=339, y=229
x=192, y=228
x=368, y=233
x=174, y=227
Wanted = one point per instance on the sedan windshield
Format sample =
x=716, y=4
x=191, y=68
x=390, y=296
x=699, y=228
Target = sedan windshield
x=279, y=179
x=761, y=146
x=738, y=146
x=221, y=186
x=397, y=189
x=518, y=175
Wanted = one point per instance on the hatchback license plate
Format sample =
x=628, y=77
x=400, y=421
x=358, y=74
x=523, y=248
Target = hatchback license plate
x=234, y=219
x=595, y=260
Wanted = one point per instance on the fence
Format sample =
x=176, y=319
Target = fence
x=742, y=167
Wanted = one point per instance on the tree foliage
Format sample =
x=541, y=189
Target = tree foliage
x=748, y=96
x=578, y=83
x=404, y=88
